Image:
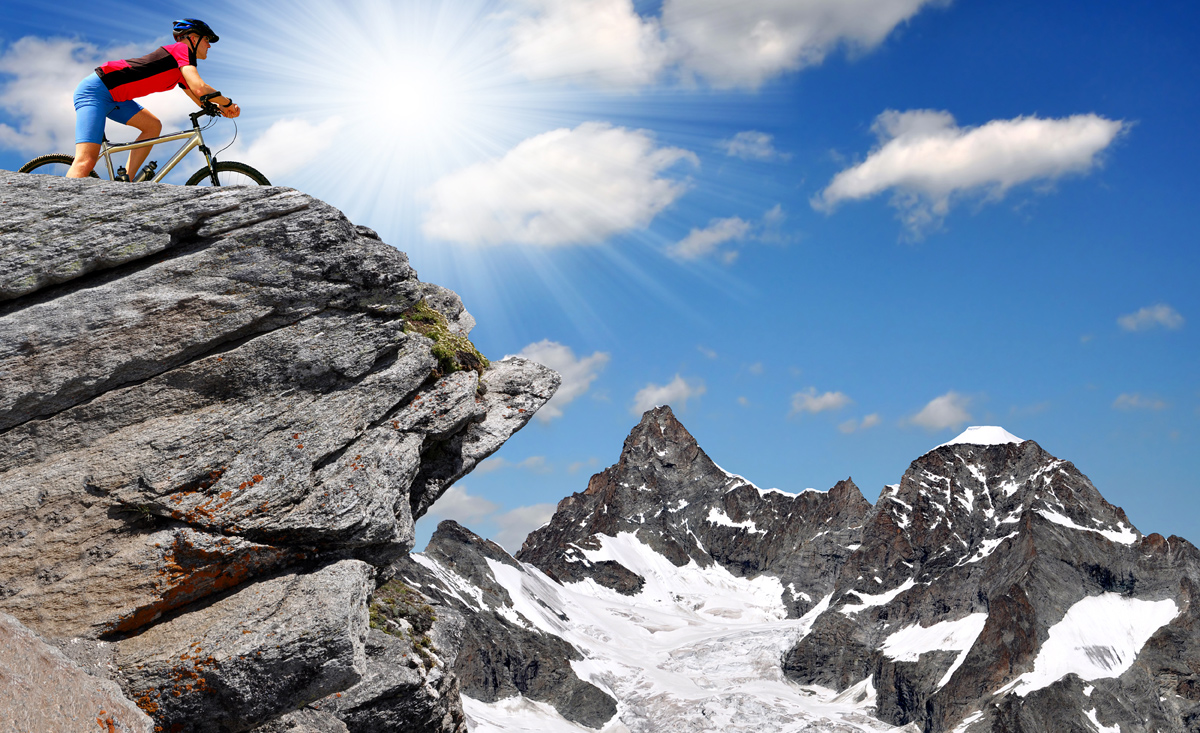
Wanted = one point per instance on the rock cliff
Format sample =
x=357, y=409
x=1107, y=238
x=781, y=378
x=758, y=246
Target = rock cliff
x=221, y=411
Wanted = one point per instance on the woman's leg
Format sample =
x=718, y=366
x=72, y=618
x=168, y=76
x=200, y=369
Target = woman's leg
x=150, y=126
x=86, y=155
x=92, y=103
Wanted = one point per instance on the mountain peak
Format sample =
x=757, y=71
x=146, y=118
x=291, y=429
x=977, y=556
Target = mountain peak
x=984, y=435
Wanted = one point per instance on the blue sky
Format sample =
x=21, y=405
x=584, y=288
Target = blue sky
x=830, y=234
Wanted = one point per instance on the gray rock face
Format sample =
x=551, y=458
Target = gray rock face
x=668, y=491
x=499, y=658
x=402, y=692
x=305, y=720
x=276, y=645
x=43, y=690
x=203, y=391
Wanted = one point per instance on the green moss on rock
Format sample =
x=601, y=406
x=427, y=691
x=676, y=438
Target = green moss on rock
x=454, y=351
x=405, y=614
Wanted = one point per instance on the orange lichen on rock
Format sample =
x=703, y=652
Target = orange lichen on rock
x=188, y=572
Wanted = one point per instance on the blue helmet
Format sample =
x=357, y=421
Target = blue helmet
x=191, y=25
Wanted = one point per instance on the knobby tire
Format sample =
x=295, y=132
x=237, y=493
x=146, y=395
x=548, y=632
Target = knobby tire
x=46, y=161
x=227, y=166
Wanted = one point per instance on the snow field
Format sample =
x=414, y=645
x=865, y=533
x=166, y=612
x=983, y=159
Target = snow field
x=909, y=643
x=698, y=649
x=1099, y=637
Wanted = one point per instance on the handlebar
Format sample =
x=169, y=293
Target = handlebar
x=208, y=110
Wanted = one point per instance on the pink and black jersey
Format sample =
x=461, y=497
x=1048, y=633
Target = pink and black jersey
x=157, y=71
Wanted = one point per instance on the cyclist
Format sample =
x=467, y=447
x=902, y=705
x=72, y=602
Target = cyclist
x=110, y=91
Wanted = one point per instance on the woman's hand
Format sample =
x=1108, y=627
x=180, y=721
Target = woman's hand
x=233, y=110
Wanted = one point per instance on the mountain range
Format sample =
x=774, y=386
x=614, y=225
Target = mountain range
x=992, y=589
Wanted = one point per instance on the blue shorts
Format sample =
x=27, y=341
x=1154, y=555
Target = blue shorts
x=93, y=102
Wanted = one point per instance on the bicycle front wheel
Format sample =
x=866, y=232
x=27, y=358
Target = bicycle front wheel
x=56, y=164
x=229, y=173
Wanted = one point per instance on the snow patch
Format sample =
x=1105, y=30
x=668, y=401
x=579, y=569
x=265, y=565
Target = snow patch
x=458, y=585
x=716, y=516
x=881, y=599
x=521, y=715
x=984, y=435
x=1124, y=535
x=1101, y=728
x=909, y=643
x=788, y=494
x=798, y=594
x=967, y=721
x=1099, y=637
x=988, y=547
x=862, y=693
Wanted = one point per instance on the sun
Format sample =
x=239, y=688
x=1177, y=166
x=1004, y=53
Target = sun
x=413, y=90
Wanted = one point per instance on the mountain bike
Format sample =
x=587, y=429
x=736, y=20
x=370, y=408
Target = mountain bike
x=216, y=173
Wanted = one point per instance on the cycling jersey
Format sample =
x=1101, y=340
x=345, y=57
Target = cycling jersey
x=157, y=71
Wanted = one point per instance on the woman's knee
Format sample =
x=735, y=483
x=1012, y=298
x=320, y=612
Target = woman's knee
x=87, y=154
x=146, y=122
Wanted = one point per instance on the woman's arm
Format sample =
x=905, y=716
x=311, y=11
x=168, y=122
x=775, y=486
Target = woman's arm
x=197, y=88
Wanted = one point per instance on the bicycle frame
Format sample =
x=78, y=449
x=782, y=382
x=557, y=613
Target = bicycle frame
x=193, y=137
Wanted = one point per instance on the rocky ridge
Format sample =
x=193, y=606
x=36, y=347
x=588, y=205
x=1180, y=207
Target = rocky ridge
x=668, y=491
x=992, y=589
x=221, y=411
x=503, y=655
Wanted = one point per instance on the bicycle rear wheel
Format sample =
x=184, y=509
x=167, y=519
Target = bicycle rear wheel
x=229, y=173
x=56, y=164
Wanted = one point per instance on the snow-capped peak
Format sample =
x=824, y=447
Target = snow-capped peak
x=984, y=435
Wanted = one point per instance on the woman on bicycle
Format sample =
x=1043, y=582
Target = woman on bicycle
x=110, y=92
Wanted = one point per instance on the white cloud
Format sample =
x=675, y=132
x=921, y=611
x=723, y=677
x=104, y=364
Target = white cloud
x=701, y=242
x=462, y=507
x=929, y=161
x=561, y=187
x=604, y=42
x=577, y=465
x=495, y=463
x=747, y=42
x=853, y=426
x=810, y=401
x=38, y=77
x=577, y=374
x=743, y=44
x=675, y=393
x=288, y=145
x=719, y=232
x=947, y=411
x=752, y=145
x=1161, y=315
x=756, y=368
x=516, y=524
x=535, y=464
x=1135, y=401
